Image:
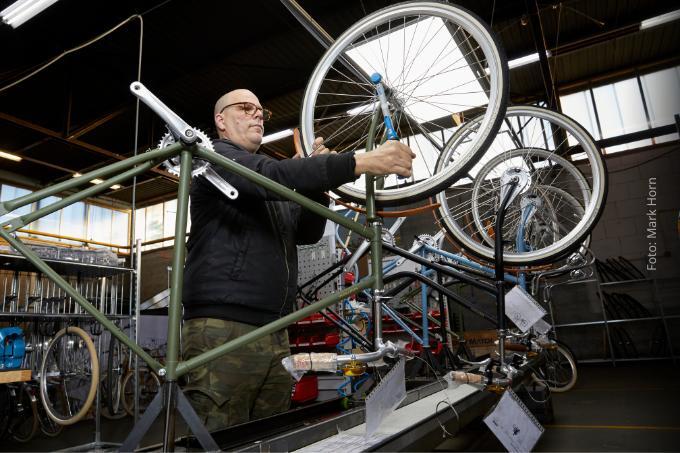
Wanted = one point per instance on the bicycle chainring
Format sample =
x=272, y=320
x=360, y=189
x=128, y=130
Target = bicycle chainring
x=198, y=166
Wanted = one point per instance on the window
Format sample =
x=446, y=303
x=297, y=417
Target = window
x=79, y=220
x=50, y=223
x=622, y=107
x=157, y=222
x=73, y=220
x=662, y=93
x=99, y=224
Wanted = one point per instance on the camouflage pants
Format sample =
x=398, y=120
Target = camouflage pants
x=243, y=385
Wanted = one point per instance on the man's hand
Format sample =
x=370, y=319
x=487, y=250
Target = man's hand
x=318, y=148
x=390, y=157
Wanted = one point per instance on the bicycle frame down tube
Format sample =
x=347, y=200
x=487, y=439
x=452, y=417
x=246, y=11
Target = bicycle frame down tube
x=63, y=284
x=461, y=260
x=202, y=359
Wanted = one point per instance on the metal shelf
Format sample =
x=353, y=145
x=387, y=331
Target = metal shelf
x=21, y=264
x=616, y=321
x=630, y=359
x=624, y=282
x=47, y=316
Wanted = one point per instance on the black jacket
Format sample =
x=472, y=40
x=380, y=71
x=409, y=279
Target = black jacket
x=242, y=261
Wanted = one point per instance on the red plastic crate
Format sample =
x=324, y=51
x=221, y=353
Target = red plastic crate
x=306, y=389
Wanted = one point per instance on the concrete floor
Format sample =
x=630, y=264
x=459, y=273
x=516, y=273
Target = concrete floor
x=630, y=407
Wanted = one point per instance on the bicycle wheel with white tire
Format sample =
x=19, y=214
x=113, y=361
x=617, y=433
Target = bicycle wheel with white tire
x=437, y=62
x=563, y=193
x=558, y=370
x=69, y=376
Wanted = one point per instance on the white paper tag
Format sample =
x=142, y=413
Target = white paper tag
x=522, y=309
x=513, y=424
x=385, y=397
x=541, y=326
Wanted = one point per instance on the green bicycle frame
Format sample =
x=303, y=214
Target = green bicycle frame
x=133, y=166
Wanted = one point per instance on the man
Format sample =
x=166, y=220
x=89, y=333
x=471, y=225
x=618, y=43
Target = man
x=241, y=267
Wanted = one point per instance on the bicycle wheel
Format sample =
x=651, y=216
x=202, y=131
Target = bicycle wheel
x=565, y=182
x=69, y=376
x=149, y=385
x=116, y=369
x=48, y=427
x=24, y=422
x=437, y=62
x=558, y=371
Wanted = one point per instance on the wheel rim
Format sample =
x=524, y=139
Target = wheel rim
x=559, y=371
x=543, y=134
x=69, y=376
x=448, y=30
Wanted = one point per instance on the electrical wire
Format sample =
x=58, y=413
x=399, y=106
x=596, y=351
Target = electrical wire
x=70, y=51
x=445, y=432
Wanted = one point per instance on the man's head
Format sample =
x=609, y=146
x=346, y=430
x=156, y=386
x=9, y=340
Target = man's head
x=239, y=118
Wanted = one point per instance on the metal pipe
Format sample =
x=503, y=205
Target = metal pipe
x=376, y=241
x=205, y=357
x=416, y=276
x=499, y=270
x=63, y=284
x=281, y=190
x=177, y=280
x=136, y=299
x=443, y=269
x=156, y=154
x=388, y=349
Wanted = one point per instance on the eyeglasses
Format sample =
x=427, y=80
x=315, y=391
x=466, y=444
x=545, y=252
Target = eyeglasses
x=249, y=109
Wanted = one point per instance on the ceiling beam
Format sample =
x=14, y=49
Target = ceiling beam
x=95, y=124
x=79, y=143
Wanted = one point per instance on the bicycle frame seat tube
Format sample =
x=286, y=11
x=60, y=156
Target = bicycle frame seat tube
x=376, y=241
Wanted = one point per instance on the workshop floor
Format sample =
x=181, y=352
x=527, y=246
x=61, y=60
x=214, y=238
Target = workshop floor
x=630, y=407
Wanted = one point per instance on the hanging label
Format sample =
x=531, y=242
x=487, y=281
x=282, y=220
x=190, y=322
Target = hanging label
x=385, y=397
x=522, y=309
x=513, y=424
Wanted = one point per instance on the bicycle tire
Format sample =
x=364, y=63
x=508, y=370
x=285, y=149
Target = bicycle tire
x=48, y=427
x=25, y=423
x=537, y=150
x=46, y=372
x=481, y=47
x=114, y=379
x=556, y=359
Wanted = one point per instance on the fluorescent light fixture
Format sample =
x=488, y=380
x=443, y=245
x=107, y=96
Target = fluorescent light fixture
x=10, y=156
x=98, y=181
x=277, y=136
x=22, y=10
x=525, y=60
x=660, y=20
